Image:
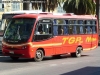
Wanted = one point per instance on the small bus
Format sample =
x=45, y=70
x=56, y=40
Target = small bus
x=39, y=35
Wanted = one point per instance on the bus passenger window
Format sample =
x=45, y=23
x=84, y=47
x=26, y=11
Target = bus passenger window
x=55, y=28
x=81, y=30
x=40, y=31
x=50, y=30
x=54, y=22
x=65, y=30
x=43, y=31
x=74, y=27
x=81, y=27
x=88, y=27
x=88, y=30
x=70, y=29
x=45, y=28
x=66, y=27
x=94, y=29
x=60, y=30
x=74, y=30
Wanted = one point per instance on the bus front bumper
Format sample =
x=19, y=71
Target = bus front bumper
x=18, y=53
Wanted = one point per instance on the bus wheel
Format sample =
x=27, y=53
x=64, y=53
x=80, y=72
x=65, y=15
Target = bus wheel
x=14, y=58
x=39, y=56
x=77, y=53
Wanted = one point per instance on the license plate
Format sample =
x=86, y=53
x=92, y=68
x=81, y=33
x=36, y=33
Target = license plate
x=12, y=52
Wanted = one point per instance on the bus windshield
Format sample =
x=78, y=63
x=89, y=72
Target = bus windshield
x=19, y=30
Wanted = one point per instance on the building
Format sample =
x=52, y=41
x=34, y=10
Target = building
x=10, y=5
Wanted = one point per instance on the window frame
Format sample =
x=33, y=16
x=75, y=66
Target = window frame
x=35, y=28
x=83, y=25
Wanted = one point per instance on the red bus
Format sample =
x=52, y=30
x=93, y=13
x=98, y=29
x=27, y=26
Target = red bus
x=39, y=35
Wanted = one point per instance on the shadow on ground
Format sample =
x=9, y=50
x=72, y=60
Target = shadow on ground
x=7, y=59
x=85, y=71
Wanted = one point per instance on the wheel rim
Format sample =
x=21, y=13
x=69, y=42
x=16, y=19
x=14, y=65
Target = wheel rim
x=38, y=55
x=78, y=52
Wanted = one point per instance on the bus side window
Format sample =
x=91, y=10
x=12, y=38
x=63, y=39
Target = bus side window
x=60, y=30
x=55, y=27
x=55, y=30
x=66, y=27
x=88, y=29
x=74, y=30
x=50, y=29
x=81, y=27
x=94, y=30
x=38, y=29
x=70, y=27
x=74, y=27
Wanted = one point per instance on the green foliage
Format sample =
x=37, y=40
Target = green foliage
x=80, y=7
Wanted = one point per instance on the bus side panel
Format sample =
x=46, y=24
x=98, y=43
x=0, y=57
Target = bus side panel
x=94, y=41
x=67, y=44
x=89, y=42
x=46, y=45
x=60, y=47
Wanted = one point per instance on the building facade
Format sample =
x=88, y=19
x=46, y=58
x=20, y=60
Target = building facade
x=10, y=5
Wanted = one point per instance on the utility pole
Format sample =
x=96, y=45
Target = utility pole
x=97, y=9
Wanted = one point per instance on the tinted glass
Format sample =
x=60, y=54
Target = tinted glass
x=19, y=30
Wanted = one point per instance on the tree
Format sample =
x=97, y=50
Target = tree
x=80, y=7
x=97, y=9
x=48, y=5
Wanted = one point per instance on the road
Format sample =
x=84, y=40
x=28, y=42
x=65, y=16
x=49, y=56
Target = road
x=88, y=64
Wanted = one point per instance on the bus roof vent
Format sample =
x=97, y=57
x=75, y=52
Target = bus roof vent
x=57, y=14
x=68, y=14
x=45, y=13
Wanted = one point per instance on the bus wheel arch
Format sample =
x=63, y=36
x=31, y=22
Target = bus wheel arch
x=77, y=52
x=42, y=50
x=39, y=54
x=80, y=46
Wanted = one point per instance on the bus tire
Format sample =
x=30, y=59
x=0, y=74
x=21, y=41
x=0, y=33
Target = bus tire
x=39, y=55
x=14, y=58
x=77, y=53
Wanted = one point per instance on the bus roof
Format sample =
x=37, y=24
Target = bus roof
x=56, y=16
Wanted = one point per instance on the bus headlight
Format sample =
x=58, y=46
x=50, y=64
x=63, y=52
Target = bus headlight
x=24, y=47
